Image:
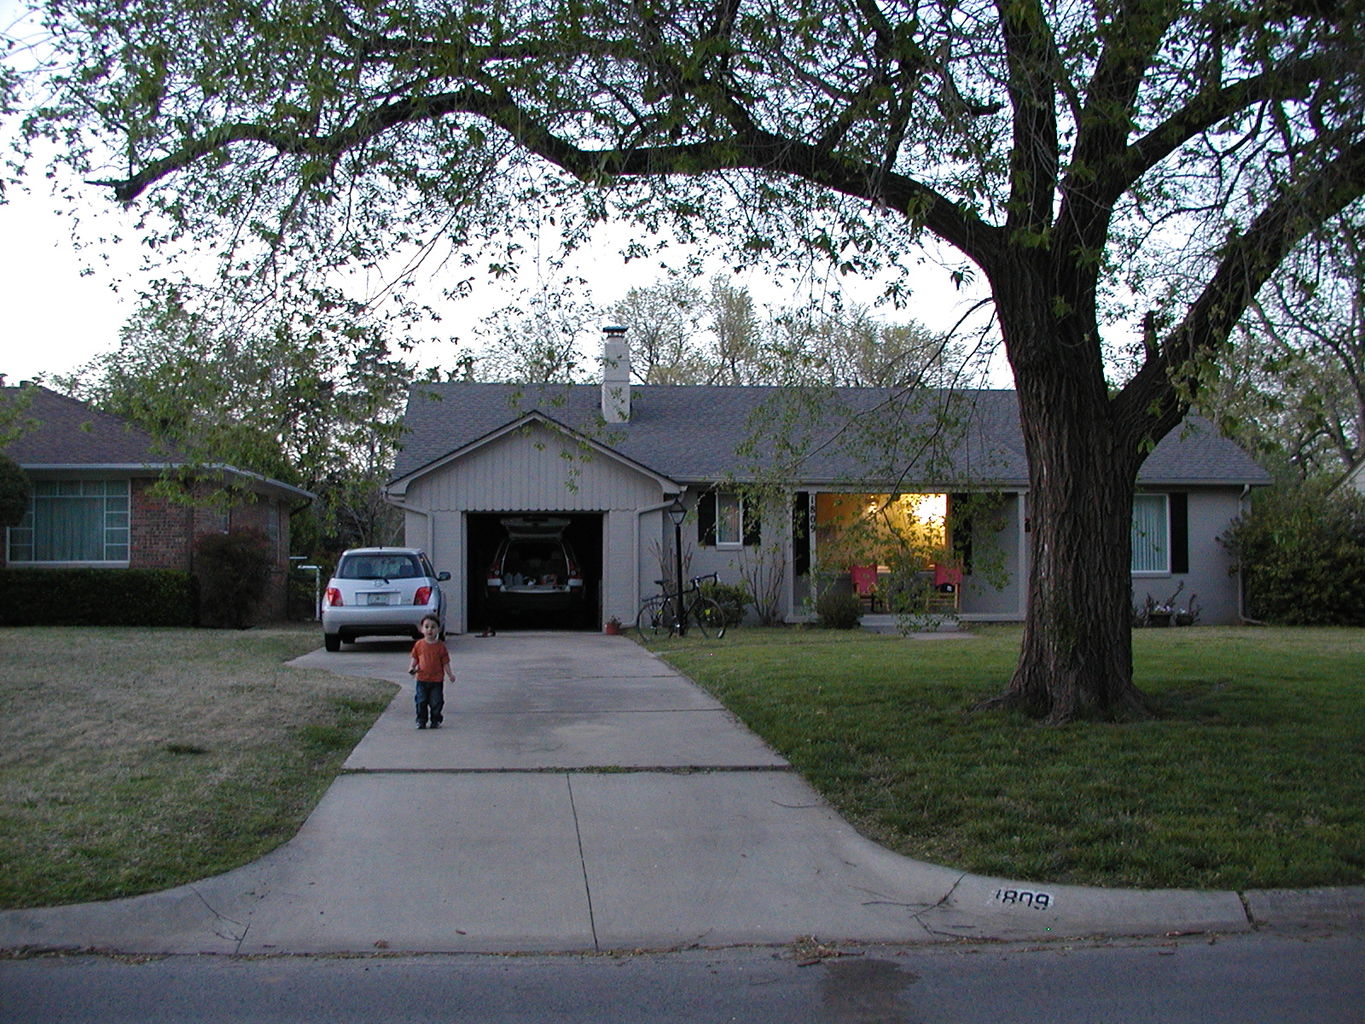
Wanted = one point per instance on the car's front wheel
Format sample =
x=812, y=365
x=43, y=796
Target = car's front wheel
x=331, y=641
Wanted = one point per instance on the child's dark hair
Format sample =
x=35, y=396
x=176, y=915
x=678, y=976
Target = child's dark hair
x=432, y=617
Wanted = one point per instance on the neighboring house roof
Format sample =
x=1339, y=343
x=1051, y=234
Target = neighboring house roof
x=67, y=435
x=832, y=435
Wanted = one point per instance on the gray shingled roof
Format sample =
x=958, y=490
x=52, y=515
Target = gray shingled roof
x=70, y=433
x=707, y=433
x=65, y=434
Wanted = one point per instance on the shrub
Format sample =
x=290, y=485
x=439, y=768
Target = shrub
x=733, y=598
x=1301, y=551
x=234, y=575
x=96, y=597
x=15, y=491
x=838, y=609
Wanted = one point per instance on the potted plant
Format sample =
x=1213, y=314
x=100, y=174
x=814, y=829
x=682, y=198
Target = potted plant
x=613, y=626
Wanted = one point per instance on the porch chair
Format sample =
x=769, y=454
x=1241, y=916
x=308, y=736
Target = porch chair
x=946, y=595
x=864, y=579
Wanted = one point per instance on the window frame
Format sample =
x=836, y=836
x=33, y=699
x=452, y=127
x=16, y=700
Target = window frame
x=1162, y=547
x=730, y=509
x=116, y=520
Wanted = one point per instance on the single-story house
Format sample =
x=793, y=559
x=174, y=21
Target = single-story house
x=93, y=503
x=945, y=467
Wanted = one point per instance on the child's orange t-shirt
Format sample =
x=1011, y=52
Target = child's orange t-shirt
x=432, y=659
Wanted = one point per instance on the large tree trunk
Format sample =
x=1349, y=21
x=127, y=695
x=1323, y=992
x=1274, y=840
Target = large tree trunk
x=1076, y=660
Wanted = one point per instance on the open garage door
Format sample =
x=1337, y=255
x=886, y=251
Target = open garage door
x=541, y=557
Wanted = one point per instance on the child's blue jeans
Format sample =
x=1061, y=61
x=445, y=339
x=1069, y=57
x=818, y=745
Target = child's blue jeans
x=430, y=699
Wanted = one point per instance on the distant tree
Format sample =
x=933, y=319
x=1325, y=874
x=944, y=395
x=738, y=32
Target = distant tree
x=664, y=321
x=1292, y=388
x=544, y=339
x=313, y=402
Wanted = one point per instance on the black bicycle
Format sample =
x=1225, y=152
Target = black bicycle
x=668, y=613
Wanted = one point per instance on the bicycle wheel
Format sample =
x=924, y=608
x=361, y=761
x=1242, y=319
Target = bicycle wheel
x=653, y=620
x=709, y=617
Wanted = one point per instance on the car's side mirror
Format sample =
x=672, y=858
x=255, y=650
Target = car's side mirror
x=441, y=577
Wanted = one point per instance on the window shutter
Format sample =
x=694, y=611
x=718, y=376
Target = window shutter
x=1180, y=532
x=960, y=528
x=706, y=519
x=801, y=533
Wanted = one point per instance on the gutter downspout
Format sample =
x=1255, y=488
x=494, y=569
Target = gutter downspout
x=640, y=513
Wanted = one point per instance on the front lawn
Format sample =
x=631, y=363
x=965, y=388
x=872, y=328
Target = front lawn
x=137, y=759
x=1253, y=775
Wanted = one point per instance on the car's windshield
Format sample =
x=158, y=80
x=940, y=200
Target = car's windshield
x=378, y=567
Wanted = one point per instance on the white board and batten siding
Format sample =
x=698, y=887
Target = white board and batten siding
x=533, y=469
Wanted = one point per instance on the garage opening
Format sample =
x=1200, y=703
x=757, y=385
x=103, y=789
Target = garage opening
x=548, y=570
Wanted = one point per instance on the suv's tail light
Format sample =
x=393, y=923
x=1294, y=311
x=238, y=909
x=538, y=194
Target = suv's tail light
x=573, y=573
x=333, y=597
x=423, y=595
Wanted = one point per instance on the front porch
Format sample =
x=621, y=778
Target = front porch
x=902, y=555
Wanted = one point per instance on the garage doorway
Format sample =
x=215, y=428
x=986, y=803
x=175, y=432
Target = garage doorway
x=486, y=531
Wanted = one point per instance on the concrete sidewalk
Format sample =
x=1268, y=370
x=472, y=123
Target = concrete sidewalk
x=584, y=796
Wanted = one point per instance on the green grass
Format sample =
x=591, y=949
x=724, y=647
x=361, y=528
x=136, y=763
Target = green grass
x=138, y=759
x=1251, y=776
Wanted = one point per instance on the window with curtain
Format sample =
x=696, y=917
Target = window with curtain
x=73, y=521
x=1151, y=533
x=729, y=518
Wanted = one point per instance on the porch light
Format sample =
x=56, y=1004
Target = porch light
x=677, y=512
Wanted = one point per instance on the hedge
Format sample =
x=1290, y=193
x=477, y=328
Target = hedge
x=97, y=597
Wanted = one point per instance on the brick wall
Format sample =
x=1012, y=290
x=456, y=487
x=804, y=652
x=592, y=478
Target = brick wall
x=163, y=534
x=160, y=531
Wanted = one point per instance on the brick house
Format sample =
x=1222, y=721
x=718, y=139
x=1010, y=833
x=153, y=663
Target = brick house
x=93, y=502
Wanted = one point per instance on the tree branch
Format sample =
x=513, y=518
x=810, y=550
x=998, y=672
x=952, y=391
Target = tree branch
x=1031, y=54
x=1156, y=399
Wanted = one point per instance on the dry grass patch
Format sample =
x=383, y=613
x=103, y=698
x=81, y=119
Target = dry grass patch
x=137, y=759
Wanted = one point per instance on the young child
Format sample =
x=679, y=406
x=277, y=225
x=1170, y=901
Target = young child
x=431, y=666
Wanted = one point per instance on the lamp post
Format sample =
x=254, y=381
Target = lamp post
x=677, y=512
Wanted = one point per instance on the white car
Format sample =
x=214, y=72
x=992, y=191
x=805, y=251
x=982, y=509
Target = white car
x=381, y=592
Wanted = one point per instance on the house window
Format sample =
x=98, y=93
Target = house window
x=729, y=519
x=73, y=521
x=1151, y=534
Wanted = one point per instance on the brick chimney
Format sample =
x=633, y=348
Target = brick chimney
x=615, y=375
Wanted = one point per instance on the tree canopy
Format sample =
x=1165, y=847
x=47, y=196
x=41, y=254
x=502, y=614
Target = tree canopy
x=1125, y=175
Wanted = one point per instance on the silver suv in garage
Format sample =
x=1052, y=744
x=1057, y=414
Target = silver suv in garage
x=534, y=569
x=381, y=592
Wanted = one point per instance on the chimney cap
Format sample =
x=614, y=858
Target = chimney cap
x=614, y=330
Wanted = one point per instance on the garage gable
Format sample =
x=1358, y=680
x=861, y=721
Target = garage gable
x=533, y=464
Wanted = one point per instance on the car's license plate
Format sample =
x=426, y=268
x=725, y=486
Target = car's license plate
x=379, y=599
